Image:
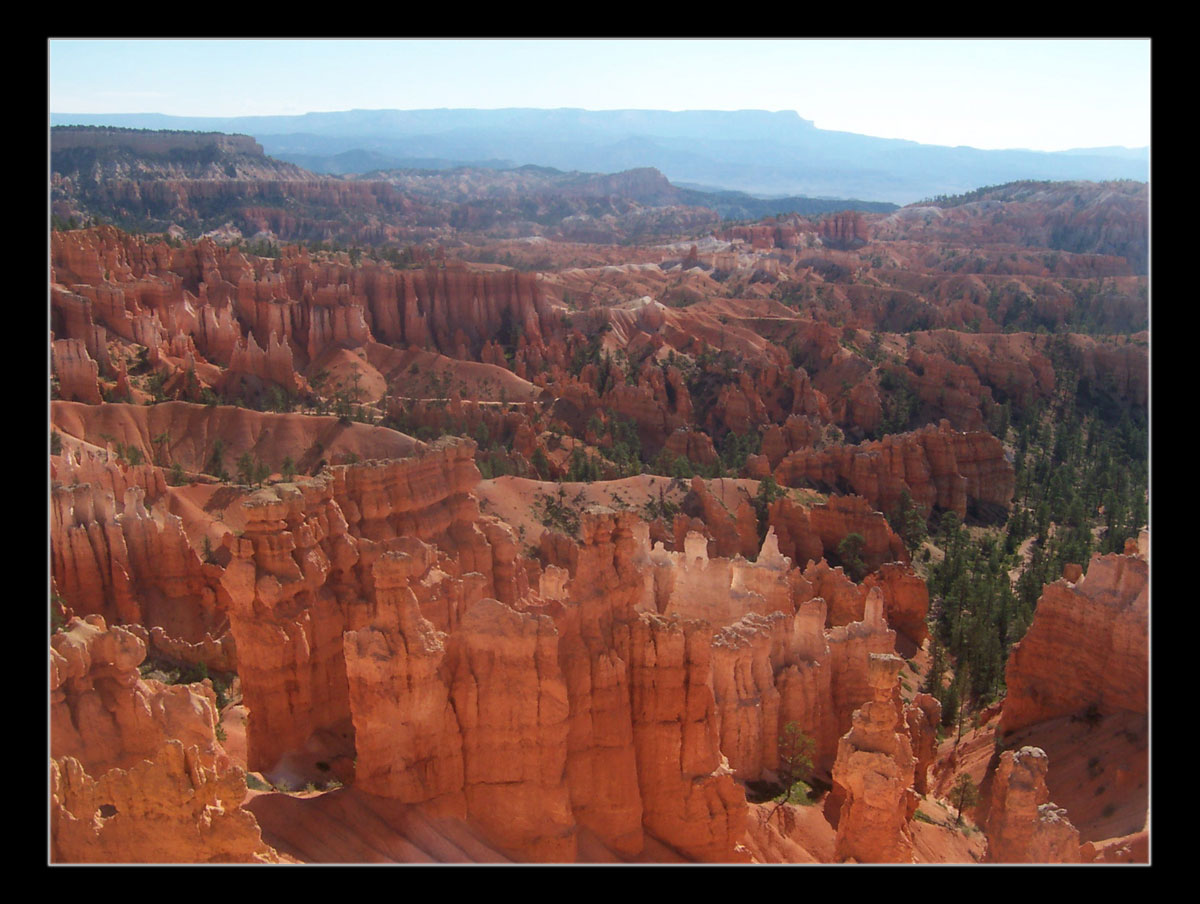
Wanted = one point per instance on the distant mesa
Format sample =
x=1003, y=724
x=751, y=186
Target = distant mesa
x=775, y=154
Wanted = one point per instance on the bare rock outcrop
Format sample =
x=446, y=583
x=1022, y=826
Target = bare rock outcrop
x=511, y=704
x=283, y=581
x=923, y=716
x=136, y=772
x=1088, y=646
x=1023, y=825
x=874, y=773
x=126, y=563
x=172, y=808
x=937, y=466
x=809, y=532
x=104, y=715
x=689, y=796
x=905, y=599
x=407, y=737
x=78, y=374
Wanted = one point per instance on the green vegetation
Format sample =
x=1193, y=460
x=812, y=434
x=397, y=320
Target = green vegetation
x=907, y=521
x=713, y=370
x=57, y=621
x=796, y=751
x=557, y=512
x=735, y=448
x=900, y=403
x=620, y=443
x=768, y=492
x=252, y=471
x=127, y=454
x=216, y=466
x=169, y=672
x=849, y=554
x=964, y=794
x=661, y=508
x=978, y=194
x=583, y=468
x=1081, y=461
x=976, y=616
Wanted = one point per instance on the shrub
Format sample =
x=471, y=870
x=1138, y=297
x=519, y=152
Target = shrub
x=849, y=550
x=216, y=464
x=795, y=763
x=964, y=794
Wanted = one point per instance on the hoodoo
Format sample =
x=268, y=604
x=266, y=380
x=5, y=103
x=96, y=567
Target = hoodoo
x=511, y=515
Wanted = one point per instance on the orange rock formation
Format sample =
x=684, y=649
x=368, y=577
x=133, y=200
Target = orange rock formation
x=874, y=774
x=1088, y=646
x=136, y=772
x=1023, y=825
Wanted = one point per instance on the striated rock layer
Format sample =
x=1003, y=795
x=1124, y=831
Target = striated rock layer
x=938, y=467
x=1088, y=646
x=607, y=692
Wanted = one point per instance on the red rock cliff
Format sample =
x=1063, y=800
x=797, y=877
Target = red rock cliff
x=1088, y=646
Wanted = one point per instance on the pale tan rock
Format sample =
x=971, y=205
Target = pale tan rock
x=101, y=711
x=78, y=374
x=137, y=773
x=173, y=808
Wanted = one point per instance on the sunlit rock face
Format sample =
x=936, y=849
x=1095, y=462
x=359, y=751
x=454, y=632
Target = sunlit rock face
x=1088, y=646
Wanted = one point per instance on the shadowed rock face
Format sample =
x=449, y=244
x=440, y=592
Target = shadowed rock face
x=1023, y=825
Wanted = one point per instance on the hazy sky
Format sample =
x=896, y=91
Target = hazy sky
x=1043, y=94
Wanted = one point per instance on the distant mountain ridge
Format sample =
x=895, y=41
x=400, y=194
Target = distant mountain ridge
x=150, y=180
x=754, y=151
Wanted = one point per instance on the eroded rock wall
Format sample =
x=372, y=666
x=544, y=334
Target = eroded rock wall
x=937, y=466
x=1088, y=646
x=137, y=774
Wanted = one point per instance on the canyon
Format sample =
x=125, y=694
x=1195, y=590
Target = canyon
x=542, y=548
